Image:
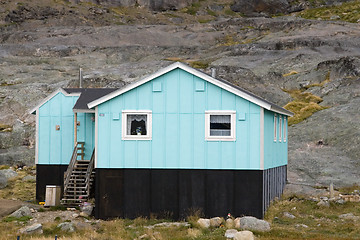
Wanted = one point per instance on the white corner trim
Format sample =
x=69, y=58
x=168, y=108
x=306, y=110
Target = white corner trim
x=96, y=135
x=37, y=137
x=148, y=114
x=193, y=71
x=261, y=138
x=232, y=136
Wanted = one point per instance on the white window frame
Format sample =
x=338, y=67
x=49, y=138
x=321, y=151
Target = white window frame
x=280, y=128
x=285, y=129
x=232, y=136
x=275, y=127
x=148, y=135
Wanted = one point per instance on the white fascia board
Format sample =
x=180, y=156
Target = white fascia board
x=187, y=69
x=37, y=137
x=50, y=97
x=83, y=111
x=280, y=111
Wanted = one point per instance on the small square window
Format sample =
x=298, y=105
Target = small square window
x=136, y=125
x=220, y=125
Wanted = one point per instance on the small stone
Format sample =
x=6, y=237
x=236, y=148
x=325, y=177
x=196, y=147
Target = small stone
x=75, y=215
x=35, y=228
x=83, y=214
x=334, y=17
x=244, y=235
x=237, y=222
x=23, y=211
x=288, y=215
x=66, y=226
x=87, y=208
x=229, y=223
x=216, y=221
x=230, y=233
x=32, y=210
x=144, y=236
x=340, y=201
x=323, y=203
x=252, y=223
x=301, y=226
x=71, y=209
x=204, y=222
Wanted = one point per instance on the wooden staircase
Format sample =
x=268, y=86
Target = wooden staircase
x=79, y=177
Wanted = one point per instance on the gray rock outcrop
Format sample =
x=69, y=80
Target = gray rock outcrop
x=21, y=212
x=254, y=224
x=3, y=181
x=66, y=227
x=35, y=228
x=258, y=7
x=8, y=173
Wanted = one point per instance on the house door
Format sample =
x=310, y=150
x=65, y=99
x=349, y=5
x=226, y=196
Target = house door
x=111, y=197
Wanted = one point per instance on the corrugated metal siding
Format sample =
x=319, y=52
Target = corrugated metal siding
x=178, y=127
x=274, y=181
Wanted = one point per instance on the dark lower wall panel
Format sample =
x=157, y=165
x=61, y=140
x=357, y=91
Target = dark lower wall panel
x=177, y=193
x=274, y=183
x=48, y=175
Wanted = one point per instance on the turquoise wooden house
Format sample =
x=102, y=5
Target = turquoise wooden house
x=177, y=141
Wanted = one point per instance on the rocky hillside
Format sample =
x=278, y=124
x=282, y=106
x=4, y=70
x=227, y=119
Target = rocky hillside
x=310, y=65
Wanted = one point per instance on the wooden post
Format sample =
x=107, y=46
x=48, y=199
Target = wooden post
x=75, y=129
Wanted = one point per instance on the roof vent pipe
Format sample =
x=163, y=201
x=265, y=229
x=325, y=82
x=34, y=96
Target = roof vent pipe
x=80, y=78
x=213, y=72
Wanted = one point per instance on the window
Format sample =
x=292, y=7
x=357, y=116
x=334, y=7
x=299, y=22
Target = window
x=136, y=125
x=280, y=128
x=220, y=125
x=285, y=129
x=275, y=128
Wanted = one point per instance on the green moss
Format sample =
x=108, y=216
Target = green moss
x=303, y=106
x=349, y=12
x=211, y=13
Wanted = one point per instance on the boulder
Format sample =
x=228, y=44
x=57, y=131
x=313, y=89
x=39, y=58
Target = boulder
x=3, y=181
x=66, y=227
x=237, y=222
x=252, y=223
x=8, y=173
x=229, y=223
x=23, y=211
x=244, y=235
x=216, y=221
x=204, y=222
x=230, y=233
x=35, y=228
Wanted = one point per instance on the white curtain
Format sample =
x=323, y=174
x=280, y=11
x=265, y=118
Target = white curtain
x=219, y=118
x=136, y=117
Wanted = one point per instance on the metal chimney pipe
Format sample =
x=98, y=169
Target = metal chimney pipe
x=213, y=72
x=80, y=78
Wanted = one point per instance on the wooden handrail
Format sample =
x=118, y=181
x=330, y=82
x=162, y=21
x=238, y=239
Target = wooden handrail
x=89, y=172
x=70, y=168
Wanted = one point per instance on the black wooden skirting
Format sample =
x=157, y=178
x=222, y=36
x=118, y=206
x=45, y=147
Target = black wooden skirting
x=176, y=193
x=48, y=175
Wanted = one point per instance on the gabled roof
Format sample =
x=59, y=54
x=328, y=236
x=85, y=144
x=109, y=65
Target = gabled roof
x=69, y=92
x=86, y=95
x=220, y=83
x=89, y=95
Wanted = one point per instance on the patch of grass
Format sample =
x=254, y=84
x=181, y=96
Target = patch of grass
x=23, y=219
x=229, y=12
x=290, y=73
x=211, y=13
x=19, y=189
x=350, y=189
x=193, y=9
x=5, y=128
x=229, y=40
x=2, y=167
x=57, y=208
x=349, y=12
x=303, y=106
x=199, y=64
